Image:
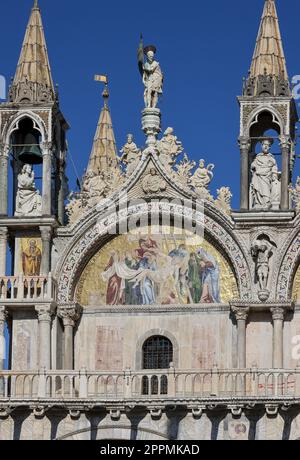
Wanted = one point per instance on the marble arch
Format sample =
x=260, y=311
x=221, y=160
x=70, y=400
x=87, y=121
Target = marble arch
x=83, y=247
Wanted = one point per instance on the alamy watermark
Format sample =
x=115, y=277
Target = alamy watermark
x=165, y=216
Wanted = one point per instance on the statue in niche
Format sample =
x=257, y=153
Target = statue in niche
x=29, y=200
x=262, y=250
x=31, y=259
x=169, y=148
x=130, y=154
x=203, y=176
x=152, y=75
x=264, y=183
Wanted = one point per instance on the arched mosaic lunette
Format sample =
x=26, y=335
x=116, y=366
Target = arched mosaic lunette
x=84, y=248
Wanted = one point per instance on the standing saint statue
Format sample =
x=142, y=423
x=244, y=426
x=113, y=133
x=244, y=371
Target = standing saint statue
x=152, y=75
x=29, y=200
x=130, y=154
x=169, y=148
x=265, y=173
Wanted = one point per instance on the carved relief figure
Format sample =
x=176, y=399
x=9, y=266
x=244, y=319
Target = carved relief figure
x=265, y=174
x=130, y=154
x=152, y=76
x=31, y=259
x=153, y=183
x=169, y=148
x=94, y=184
x=28, y=201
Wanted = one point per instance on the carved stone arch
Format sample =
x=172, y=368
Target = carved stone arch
x=253, y=118
x=84, y=245
x=148, y=335
x=14, y=124
x=288, y=265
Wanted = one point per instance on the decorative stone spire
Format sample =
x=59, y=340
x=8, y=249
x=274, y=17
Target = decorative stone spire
x=33, y=81
x=268, y=73
x=104, y=152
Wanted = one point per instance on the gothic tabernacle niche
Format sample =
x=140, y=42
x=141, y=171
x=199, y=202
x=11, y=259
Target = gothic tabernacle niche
x=146, y=269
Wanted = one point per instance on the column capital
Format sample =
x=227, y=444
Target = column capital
x=46, y=233
x=244, y=142
x=3, y=314
x=285, y=142
x=45, y=312
x=47, y=148
x=70, y=313
x=4, y=150
x=3, y=233
x=278, y=313
x=240, y=312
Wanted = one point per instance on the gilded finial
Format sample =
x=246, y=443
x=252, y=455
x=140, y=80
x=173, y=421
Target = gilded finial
x=36, y=4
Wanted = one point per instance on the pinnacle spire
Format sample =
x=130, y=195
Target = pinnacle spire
x=33, y=80
x=103, y=157
x=268, y=62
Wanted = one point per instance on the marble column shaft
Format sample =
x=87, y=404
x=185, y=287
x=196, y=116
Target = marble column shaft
x=285, y=177
x=45, y=313
x=278, y=319
x=3, y=317
x=244, y=143
x=46, y=248
x=3, y=180
x=70, y=315
x=47, y=179
x=241, y=315
x=3, y=250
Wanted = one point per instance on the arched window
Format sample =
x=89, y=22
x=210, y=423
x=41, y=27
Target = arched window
x=157, y=353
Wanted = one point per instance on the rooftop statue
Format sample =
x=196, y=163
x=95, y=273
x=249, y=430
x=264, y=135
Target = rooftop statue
x=169, y=148
x=152, y=75
x=130, y=154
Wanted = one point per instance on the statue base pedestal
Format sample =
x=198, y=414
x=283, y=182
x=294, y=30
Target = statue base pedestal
x=264, y=295
x=151, y=123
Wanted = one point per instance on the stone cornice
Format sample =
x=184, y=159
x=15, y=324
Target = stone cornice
x=161, y=309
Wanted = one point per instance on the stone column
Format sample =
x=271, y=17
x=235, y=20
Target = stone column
x=241, y=315
x=45, y=313
x=285, y=177
x=70, y=314
x=4, y=157
x=278, y=318
x=47, y=178
x=3, y=317
x=245, y=186
x=3, y=250
x=46, y=248
x=61, y=193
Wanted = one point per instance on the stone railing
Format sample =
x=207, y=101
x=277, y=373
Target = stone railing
x=171, y=384
x=14, y=289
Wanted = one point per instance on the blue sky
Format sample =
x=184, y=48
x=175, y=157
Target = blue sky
x=204, y=48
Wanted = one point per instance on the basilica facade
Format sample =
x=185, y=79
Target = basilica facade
x=143, y=307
